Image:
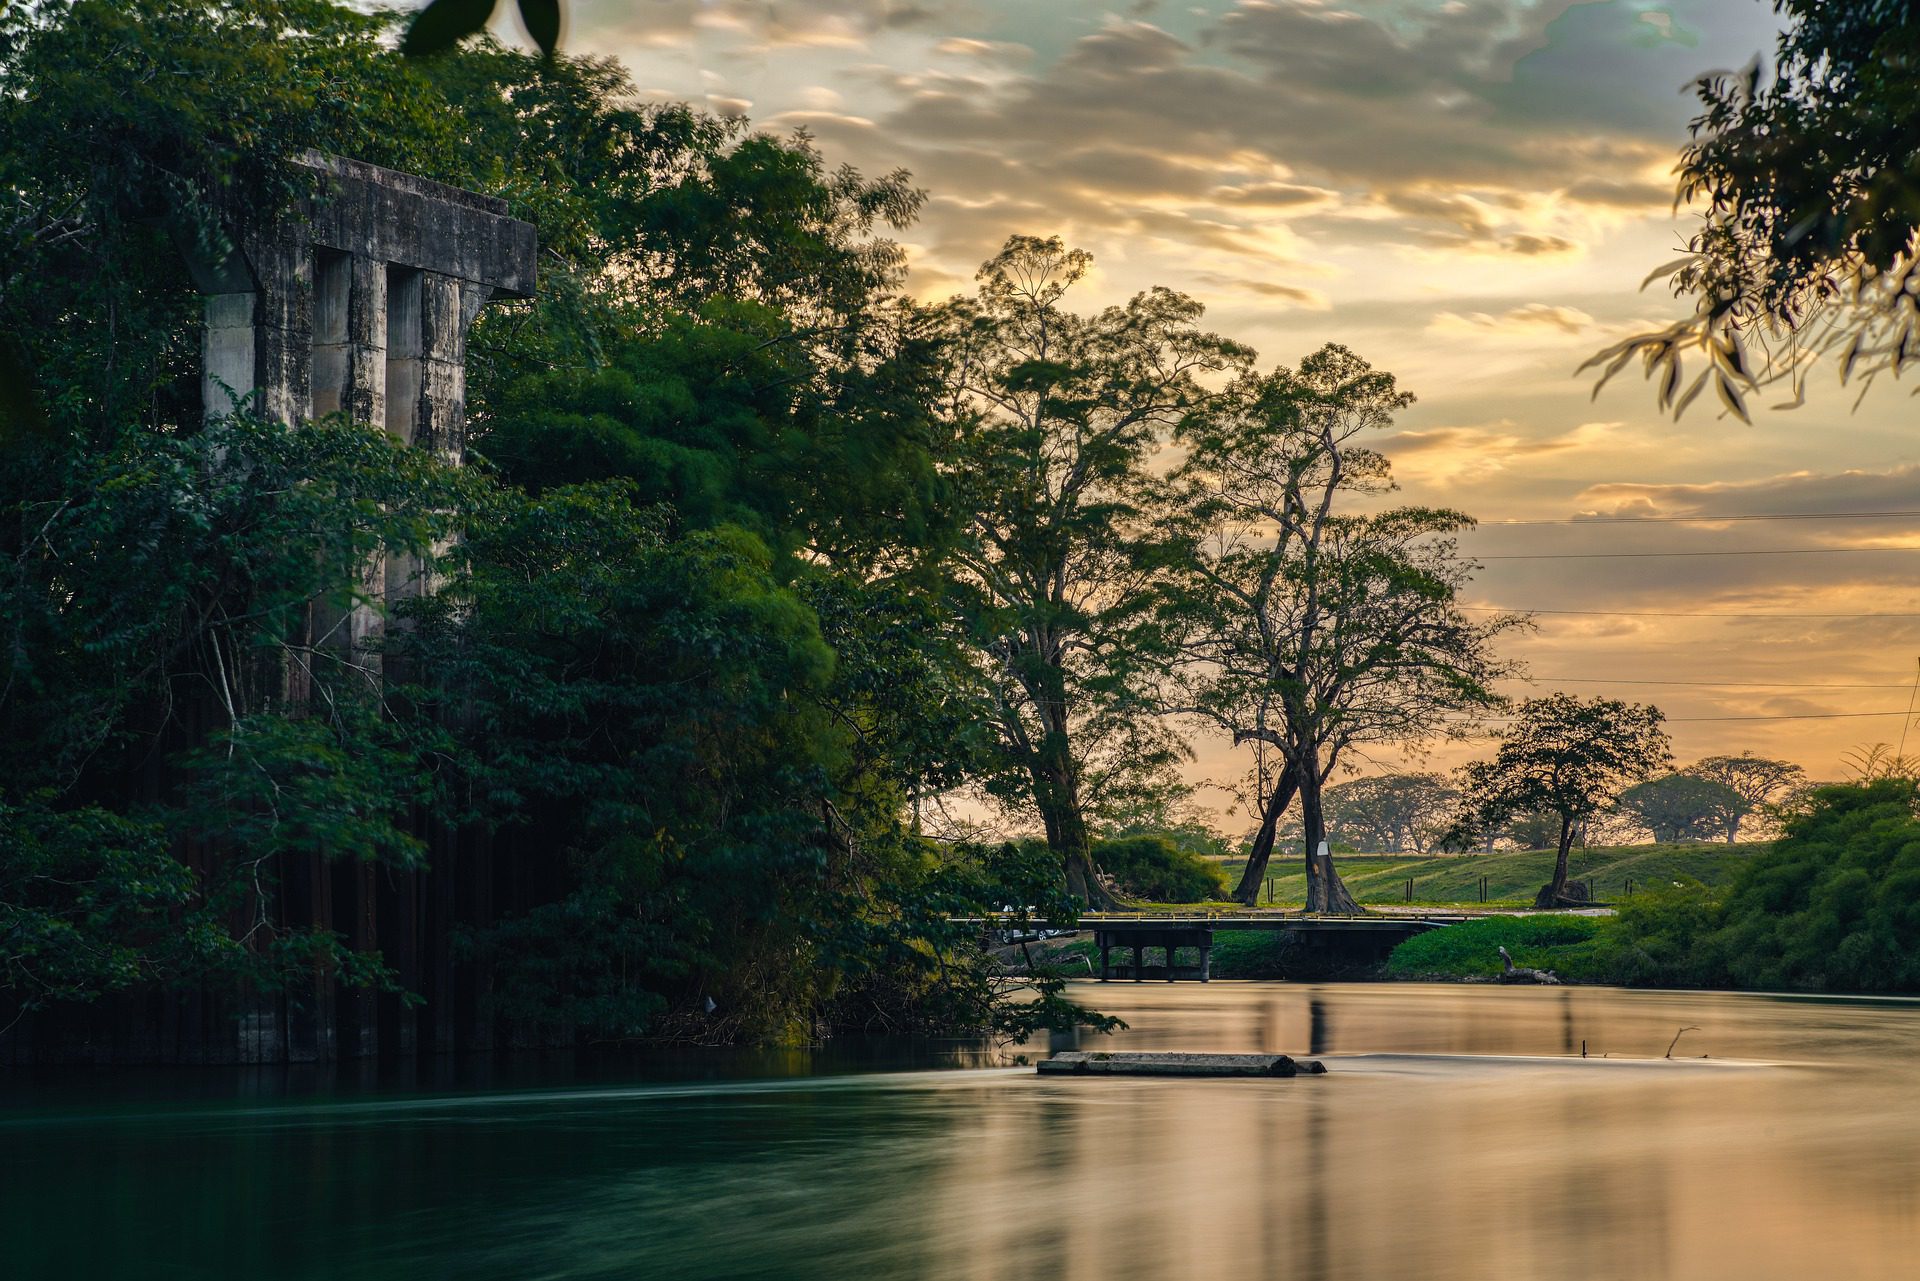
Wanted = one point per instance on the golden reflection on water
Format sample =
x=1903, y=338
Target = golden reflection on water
x=1455, y=1168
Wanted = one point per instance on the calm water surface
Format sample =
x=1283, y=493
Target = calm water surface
x=1464, y=1139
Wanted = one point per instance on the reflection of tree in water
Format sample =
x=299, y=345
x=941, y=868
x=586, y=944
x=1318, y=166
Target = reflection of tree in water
x=1316, y=1262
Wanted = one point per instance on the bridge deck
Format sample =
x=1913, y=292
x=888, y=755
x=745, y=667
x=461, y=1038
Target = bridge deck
x=1155, y=922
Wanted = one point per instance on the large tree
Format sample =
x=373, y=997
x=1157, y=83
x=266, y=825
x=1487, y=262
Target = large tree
x=1752, y=783
x=1809, y=178
x=1391, y=812
x=1056, y=418
x=1313, y=630
x=1569, y=757
x=1680, y=807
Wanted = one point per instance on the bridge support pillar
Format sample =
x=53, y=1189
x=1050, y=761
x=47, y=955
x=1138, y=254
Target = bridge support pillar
x=1136, y=962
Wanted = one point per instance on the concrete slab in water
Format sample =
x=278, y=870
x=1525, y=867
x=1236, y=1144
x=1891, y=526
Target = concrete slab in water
x=1143, y=1063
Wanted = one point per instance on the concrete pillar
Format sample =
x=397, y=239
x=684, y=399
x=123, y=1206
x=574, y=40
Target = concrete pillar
x=1206, y=962
x=1136, y=962
x=283, y=325
x=1172, y=951
x=226, y=353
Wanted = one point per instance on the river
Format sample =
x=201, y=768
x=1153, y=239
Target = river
x=1457, y=1134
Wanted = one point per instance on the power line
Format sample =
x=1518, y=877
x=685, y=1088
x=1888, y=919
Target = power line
x=1786, y=716
x=1608, y=680
x=1703, y=520
x=1656, y=613
x=1756, y=551
x=1770, y=716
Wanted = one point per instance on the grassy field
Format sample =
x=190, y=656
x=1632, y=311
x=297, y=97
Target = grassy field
x=1512, y=876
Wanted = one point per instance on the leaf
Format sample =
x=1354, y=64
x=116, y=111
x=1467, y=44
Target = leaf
x=541, y=18
x=1731, y=398
x=443, y=24
x=1671, y=384
x=1661, y=273
x=1699, y=384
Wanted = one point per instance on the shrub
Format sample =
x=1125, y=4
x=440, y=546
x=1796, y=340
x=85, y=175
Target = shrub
x=1154, y=868
x=1564, y=944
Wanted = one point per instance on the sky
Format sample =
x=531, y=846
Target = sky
x=1467, y=193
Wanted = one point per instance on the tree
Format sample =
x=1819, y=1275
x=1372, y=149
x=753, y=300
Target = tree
x=673, y=722
x=1755, y=782
x=1055, y=418
x=1806, y=247
x=1391, y=812
x=1568, y=757
x=1681, y=807
x=1310, y=630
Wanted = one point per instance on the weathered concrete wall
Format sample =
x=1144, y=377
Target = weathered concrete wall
x=359, y=300
x=375, y=267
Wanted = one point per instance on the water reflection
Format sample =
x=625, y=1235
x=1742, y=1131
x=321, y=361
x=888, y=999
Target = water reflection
x=1386, y=1168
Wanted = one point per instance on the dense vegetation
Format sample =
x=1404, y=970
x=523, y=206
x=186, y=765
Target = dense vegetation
x=1833, y=906
x=686, y=665
x=749, y=564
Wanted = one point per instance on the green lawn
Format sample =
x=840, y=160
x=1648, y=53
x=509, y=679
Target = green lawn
x=1512, y=876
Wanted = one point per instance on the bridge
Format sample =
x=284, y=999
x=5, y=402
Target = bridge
x=1356, y=938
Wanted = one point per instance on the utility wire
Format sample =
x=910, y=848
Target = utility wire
x=1756, y=551
x=1657, y=613
x=1608, y=680
x=1702, y=520
x=1770, y=716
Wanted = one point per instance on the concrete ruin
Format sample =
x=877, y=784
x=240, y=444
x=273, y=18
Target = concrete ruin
x=360, y=300
x=357, y=299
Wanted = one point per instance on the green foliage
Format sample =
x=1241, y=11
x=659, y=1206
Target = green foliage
x=1806, y=246
x=88, y=905
x=1681, y=807
x=1563, y=944
x=127, y=129
x=1065, y=551
x=1390, y=812
x=1834, y=906
x=1154, y=868
x=1830, y=907
x=1310, y=628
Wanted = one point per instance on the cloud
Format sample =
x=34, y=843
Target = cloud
x=1495, y=127
x=1532, y=245
x=1531, y=319
x=1795, y=494
x=1617, y=193
x=1274, y=195
x=1455, y=456
x=1293, y=295
x=999, y=52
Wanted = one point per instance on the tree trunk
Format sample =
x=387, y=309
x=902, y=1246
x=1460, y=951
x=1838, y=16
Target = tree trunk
x=1326, y=892
x=1557, y=893
x=1067, y=836
x=1248, y=891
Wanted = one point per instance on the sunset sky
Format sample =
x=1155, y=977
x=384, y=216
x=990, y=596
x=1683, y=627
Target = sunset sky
x=1468, y=194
